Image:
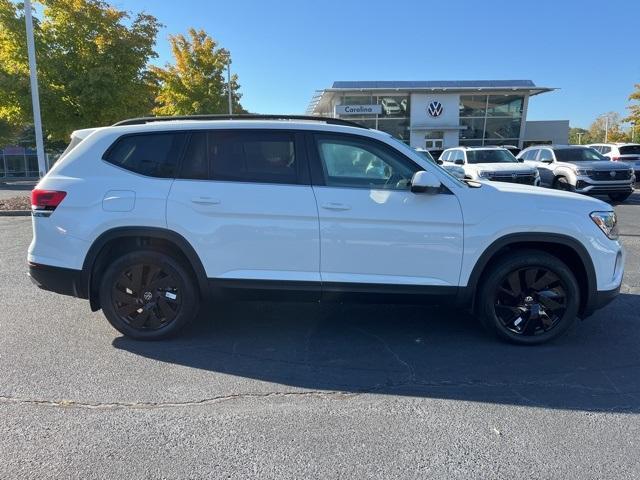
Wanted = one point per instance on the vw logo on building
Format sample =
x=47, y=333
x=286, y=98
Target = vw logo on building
x=435, y=109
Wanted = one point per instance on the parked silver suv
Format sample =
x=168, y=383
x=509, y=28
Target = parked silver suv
x=581, y=169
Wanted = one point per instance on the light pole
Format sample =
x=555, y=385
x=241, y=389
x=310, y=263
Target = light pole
x=229, y=84
x=580, y=137
x=606, y=127
x=35, y=97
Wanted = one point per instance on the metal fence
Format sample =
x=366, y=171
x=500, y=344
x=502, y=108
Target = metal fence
x=19, y=162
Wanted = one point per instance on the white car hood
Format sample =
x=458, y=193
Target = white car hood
x=501, y=167
x=548, y=197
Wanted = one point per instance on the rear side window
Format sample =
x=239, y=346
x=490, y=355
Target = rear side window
x=604, y=149
x=530, y=154
x=630, y=150
x=153, y=155
x=244, y=156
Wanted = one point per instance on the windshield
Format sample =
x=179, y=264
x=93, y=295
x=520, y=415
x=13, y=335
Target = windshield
x=490, y=156
x=578, y=155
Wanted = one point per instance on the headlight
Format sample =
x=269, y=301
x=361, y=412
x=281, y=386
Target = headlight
x=583, y=171
x=607, y=222
x=484, y=174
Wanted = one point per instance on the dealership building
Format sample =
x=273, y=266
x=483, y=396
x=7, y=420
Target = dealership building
x=442, y=114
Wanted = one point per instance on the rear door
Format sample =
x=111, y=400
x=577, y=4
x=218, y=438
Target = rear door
x=243, y=200
x=374, y=231
x=544, y=162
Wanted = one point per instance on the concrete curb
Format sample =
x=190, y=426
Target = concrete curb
x=15, y=213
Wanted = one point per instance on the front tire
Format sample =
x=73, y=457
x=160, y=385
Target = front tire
x=528, y=297
x=561, y=183
x=148, y=295
x=619, y=197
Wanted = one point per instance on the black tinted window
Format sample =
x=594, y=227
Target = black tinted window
x=246, y=156
x=155, y=155
x=630, y=150
x=490, y=156
x=578, y=155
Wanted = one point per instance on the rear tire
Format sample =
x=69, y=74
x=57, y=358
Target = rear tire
x=528, y=297
x=148, y=295
x=619, y=197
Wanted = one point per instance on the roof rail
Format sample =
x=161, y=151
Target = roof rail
x=327, y=120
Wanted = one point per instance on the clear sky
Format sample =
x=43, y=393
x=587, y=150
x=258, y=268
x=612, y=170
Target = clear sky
x=284, y=50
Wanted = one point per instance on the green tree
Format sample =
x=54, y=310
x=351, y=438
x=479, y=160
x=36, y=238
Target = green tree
x=634, y=109
x=92, y=65
x=615, y=132
x=578, y=136
x=195, y=83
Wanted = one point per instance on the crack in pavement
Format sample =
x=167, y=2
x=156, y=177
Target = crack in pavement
x=152, y=405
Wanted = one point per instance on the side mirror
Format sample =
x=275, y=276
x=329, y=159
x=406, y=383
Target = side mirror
x=459, y=162
x=439, y=162
x=547, y=160
x=425, y=182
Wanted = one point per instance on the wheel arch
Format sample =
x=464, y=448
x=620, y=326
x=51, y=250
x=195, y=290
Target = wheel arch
x=567, y=249
x=123, y=238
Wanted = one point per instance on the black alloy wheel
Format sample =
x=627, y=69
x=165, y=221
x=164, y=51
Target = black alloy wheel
x=528, y=297
x=530, y=301
x=148, y=295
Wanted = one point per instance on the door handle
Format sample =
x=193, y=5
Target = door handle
x=205, y=200
x=336, y=206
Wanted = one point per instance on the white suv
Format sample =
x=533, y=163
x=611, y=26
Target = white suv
x=148, y=218
x=491, y=163
x=621, y=152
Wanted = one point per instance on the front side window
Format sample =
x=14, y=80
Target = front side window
x=244, y=156
x=353, y=162
x=604, y=149
x=153, y=154
x=545, y=155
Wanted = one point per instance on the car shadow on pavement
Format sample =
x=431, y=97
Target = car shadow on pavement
x=410, y=350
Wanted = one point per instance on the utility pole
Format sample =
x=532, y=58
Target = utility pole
x=35, y=97
x=606, y=129
x=229, y=84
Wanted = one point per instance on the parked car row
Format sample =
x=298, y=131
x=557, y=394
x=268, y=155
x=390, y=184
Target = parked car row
x=576, y=168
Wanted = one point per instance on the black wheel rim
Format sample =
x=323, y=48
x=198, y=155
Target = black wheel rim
x=530, y=301
x=147, y=297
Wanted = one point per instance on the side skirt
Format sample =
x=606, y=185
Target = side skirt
x=275, y=290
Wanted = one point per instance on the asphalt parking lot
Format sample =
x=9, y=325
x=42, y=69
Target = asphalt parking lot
x=258, y=390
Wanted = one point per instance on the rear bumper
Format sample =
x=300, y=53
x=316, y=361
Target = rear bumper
x=65, y=281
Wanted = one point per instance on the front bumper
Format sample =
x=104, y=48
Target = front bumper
x=589, y=186
x=65, y=281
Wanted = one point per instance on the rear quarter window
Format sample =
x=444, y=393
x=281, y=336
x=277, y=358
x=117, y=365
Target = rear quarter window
x=630, y=150
x=153, y=154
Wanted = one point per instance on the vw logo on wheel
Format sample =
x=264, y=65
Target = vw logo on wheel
x=434, y=109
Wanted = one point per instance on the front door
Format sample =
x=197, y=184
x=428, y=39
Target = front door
x=373, y=229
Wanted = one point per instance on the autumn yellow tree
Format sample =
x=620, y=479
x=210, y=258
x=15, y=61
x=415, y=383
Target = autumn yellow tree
x=92, y=65
x=195, y=83
x=634, y=108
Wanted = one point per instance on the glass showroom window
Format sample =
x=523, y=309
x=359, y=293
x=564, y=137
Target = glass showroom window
x=505, y=106
x=473, y=106
x=399, y=128
x=368, y=122
x=358, y=100
x=394, y=106
x=474, y=130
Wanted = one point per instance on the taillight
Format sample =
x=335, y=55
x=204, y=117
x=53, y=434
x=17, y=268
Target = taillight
x=46, y=200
